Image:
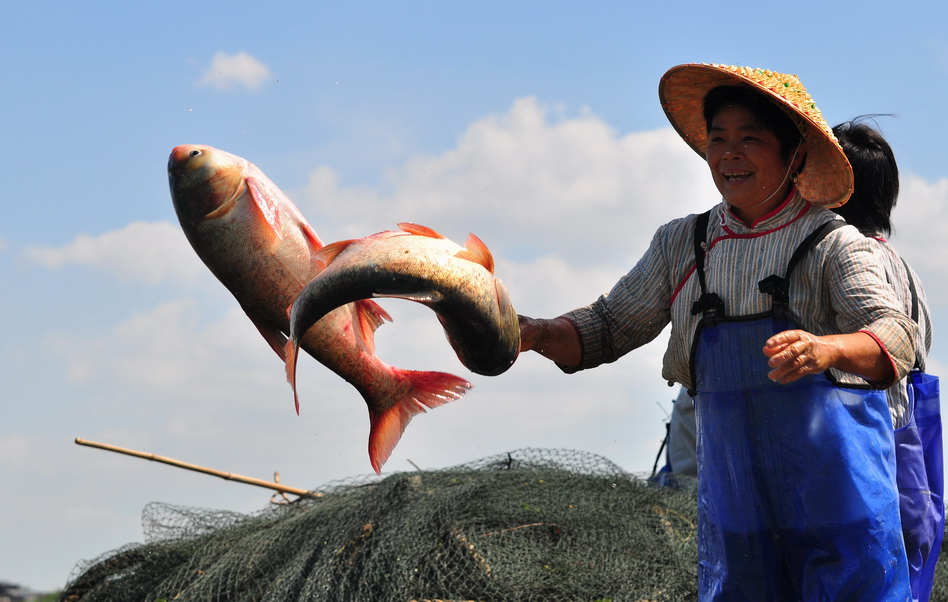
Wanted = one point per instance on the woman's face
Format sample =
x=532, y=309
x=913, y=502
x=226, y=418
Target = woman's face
x=746, y=163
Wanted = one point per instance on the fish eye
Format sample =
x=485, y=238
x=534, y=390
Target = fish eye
x=194, y=153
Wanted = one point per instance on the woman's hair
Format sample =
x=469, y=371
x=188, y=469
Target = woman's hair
x=876, y=177
x=760, y=106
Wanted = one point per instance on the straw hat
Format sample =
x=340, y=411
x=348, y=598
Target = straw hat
x=826, y=179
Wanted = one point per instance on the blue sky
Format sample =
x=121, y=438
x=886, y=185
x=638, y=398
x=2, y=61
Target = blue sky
x=535, y=125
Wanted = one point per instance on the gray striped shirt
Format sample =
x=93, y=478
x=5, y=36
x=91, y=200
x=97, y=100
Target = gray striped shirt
x=839, y=287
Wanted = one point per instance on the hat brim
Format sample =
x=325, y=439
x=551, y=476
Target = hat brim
x=827, y=177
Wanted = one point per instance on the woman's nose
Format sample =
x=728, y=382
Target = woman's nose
x=732, y=149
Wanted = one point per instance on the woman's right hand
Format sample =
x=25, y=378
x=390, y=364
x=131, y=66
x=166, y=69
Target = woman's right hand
x=530, y=331
x=554, y=338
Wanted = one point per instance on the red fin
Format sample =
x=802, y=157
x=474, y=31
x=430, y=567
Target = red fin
x=326, y=254
x=428, y=390
x=475, y=250
x=367, y=317
x=265, y=201
x=419, y=230
x=310, y=235
x=274, y=337
x=291, y=358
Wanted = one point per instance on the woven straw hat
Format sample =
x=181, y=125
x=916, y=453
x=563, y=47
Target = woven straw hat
x=826, y=179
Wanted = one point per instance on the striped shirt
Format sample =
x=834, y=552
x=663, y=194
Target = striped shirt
x=839, y=287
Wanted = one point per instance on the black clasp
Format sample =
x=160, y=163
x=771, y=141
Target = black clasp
x=779, y=289
x=710, y=305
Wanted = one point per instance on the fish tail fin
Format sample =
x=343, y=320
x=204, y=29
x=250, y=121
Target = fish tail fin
x=291, y=352
x=427, y=390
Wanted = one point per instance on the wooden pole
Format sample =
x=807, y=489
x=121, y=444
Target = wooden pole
x=217, y=473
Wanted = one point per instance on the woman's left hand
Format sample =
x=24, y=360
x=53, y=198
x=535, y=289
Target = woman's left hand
x=796, y=353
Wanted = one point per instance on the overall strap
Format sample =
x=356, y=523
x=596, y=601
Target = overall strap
x=779, y=288
x=911, y=281
x=708, y=304
x=912, y=289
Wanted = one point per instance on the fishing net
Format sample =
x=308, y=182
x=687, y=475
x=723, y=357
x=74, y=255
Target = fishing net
x=531, y=525
x=528, y=525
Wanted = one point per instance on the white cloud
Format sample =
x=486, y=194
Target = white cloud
x=149, y=252
x=526, y=183
x=231, y=71
x=920, y=220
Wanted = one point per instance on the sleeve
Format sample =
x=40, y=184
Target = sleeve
x=630, y=315
x=866, y=302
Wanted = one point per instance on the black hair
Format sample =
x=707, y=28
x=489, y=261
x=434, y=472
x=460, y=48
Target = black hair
x=763, y=108
x=876, y=177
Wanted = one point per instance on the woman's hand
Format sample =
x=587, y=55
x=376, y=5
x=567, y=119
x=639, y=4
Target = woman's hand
x=554, y=338
x=530, y=331
x=796, y=353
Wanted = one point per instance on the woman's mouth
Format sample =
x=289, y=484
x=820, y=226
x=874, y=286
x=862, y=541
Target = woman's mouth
x=736, y=176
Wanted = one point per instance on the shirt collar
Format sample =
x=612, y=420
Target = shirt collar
x=785, y=213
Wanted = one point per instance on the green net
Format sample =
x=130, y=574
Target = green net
x=528, y=525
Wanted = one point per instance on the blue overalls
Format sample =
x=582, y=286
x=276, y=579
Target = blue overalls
x=797, y=497
x=920, y=473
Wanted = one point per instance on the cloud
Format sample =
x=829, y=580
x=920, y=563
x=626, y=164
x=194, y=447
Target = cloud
x=920, y=220
x=530, y=182
x=231, y=71
x=148, y=252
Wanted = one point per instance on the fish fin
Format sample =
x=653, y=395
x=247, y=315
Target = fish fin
x=475, y=250
x=310, y=235
x=427, y=390
x=274, y=337
x=503, y=295
x=266, y=202
x=367, y=317
x=419, y=230
x=292, y=355
x=325, y=255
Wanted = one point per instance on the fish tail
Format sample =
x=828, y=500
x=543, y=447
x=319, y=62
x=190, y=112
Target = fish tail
x=427, y=390
x=291, y=358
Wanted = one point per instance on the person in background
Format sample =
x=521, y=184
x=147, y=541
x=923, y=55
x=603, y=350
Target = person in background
x=785, y=331
x=875, y=193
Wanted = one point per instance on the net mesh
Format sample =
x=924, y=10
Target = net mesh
x=527, y=525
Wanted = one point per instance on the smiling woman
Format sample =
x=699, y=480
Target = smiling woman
x=749, y=146
x=795, y=448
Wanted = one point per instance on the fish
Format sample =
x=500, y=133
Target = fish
x=260, y=247
x=418, y=264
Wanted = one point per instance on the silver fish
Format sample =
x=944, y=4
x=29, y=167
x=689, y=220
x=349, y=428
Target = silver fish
x=420, y=265
x=254, y=239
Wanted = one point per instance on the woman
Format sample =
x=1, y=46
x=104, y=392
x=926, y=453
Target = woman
x=797, y=495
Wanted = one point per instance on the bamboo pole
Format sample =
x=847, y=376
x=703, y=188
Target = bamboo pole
x=217, y=473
